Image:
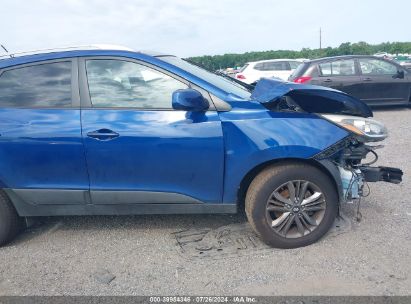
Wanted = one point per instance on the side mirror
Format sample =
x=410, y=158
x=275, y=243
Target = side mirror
x=400, y=74
x=189, y=100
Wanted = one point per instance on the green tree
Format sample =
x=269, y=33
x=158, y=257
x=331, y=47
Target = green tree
x=347, y=48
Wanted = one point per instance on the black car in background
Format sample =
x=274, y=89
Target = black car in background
x=374, y=80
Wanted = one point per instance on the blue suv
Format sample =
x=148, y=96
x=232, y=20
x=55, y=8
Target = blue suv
x=87, y=131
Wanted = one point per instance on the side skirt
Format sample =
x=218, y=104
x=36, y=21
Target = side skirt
x=25, y=209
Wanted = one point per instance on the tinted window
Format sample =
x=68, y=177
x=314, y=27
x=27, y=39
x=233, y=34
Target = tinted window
x=259, y=66
x=116, y=83
x=45, y=85
x=276, y=66
x=338, y=68
x=272, y=66
x=376, y=67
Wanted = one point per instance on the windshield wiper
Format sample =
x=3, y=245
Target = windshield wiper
x=248, y=87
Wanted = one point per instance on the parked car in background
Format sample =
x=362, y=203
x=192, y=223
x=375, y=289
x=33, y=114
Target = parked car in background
x=251, y=72
x=111, y=131
x=406, y=64
x=374, y=80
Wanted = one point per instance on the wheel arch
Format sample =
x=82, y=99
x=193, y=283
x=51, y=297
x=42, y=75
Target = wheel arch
x=326, y=166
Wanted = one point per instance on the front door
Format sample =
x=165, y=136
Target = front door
x=139, y=150
x=381, y=83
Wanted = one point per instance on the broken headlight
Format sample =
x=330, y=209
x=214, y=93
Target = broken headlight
x=368, y=129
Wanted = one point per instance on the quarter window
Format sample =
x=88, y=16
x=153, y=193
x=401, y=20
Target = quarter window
x=124, y=84
x=376, y=67
x=43, y=85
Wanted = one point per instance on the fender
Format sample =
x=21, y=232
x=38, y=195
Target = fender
x=252, y=142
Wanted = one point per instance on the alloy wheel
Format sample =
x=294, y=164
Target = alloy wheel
x=295, y=208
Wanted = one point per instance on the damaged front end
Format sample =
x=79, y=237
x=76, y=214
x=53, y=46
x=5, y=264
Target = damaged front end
x=348, y=157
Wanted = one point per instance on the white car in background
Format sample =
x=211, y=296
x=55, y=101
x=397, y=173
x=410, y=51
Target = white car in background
x=280, y=68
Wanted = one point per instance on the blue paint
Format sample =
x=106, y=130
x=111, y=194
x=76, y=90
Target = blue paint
x=204, y=155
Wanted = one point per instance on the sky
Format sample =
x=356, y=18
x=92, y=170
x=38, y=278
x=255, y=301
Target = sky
x=205, y=27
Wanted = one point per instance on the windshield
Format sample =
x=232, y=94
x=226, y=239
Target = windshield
x=216, y=80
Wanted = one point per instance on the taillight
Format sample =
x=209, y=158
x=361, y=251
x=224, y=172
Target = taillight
x=240, y=76
x=302, y=79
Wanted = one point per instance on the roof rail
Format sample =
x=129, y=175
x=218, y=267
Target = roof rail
x=67, y=49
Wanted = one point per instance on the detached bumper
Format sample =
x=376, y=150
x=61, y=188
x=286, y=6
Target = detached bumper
x=384, y=174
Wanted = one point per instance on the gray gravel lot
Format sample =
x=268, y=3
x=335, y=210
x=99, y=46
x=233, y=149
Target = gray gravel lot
x=170, y=255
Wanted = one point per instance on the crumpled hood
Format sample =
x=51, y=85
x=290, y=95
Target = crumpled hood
x=310, y=98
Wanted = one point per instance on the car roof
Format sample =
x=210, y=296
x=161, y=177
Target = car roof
x=272, y=60
x=11, y=59
x=340, y=57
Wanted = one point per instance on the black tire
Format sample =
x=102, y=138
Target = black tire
x=273, y=177
x=10, y=222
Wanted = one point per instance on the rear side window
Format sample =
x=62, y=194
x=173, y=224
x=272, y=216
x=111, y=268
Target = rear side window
x=272, y=66
x=43, y=85
x=338, y=68
x=259, y=66
x=277, y=66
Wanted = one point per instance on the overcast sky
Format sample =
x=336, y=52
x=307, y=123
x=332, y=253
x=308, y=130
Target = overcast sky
x=205, y=27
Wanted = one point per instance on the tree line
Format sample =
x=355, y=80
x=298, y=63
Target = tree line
x=360, y=48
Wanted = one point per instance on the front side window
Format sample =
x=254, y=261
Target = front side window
x=43, y=85
x=124, y=84
x=338, y=68
x=376, y=67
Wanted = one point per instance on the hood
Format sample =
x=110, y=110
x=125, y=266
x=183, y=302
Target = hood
x=309, y=98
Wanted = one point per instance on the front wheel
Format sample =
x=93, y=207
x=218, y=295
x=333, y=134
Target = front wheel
x=291, y=205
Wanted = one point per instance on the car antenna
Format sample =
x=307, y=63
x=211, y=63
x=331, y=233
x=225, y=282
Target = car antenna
x=4, y=48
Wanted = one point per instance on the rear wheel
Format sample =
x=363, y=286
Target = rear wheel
x=291, y=205
x=10, y=222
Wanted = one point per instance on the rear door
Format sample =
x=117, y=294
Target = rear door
x=139, y=149
x=41, y=150
x=341, y=75
x=381, y=82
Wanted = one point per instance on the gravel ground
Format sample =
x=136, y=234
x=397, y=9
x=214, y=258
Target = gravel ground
x=170, y=255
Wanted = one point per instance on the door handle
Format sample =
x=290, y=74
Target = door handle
x=367, y=79
x=328, y=80
x=103, y=134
